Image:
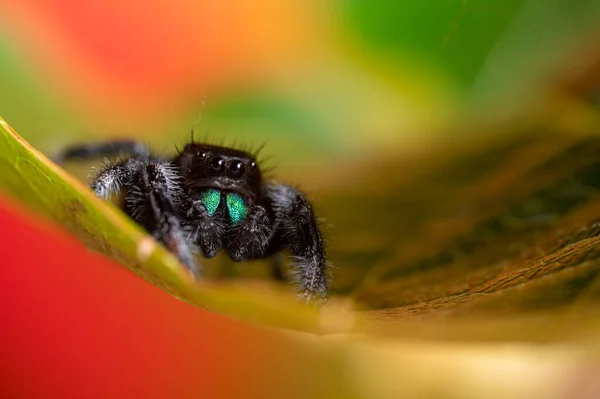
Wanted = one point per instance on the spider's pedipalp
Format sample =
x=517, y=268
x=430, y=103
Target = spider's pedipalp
x=204, y=230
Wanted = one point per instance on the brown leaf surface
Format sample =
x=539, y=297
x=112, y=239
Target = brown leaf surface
x=506, y=229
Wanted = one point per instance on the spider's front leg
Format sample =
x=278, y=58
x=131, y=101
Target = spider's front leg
x=298, y=231
x=154, y=199
x=104, y=149
x=112, y=177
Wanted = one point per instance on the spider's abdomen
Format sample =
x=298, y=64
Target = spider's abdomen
x=236, y=206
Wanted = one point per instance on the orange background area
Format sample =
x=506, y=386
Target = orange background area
x=155, y=57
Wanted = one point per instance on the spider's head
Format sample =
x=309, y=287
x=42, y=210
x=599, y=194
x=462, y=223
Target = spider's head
x=225, y=169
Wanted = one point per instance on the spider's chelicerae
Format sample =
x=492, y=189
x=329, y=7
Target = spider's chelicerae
x=210, y=198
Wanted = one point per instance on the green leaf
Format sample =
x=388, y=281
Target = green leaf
x=455, y=36
x=43, y=186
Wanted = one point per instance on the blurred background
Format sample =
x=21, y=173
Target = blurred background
x=318, y=81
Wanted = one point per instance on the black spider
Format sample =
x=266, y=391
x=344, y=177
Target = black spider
x=210, y=198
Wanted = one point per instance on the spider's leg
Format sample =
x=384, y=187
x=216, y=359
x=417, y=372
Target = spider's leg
x=113, y=177
x=157, y=191
x=297, y=229
x=204, y=230
x=248, y=238
x=107, y=149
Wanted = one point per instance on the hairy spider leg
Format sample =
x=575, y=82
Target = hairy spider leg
x=301, y=236
x=113, y=178
x=155, y=191
x=107, y=149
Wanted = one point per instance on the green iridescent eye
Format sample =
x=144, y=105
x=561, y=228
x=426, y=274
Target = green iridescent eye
x=236, y=207
x=211, y=199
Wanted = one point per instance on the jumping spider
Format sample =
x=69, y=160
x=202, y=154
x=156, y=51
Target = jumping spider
x=210, y=198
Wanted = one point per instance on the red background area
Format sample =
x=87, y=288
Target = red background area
x=75, y=324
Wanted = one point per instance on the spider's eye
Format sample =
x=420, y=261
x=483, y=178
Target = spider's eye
x=217, y=165
x=236, y=168
x=252, y=165
x=201, y=155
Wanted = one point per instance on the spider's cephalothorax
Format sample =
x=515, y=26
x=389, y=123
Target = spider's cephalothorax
x=210, y=198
